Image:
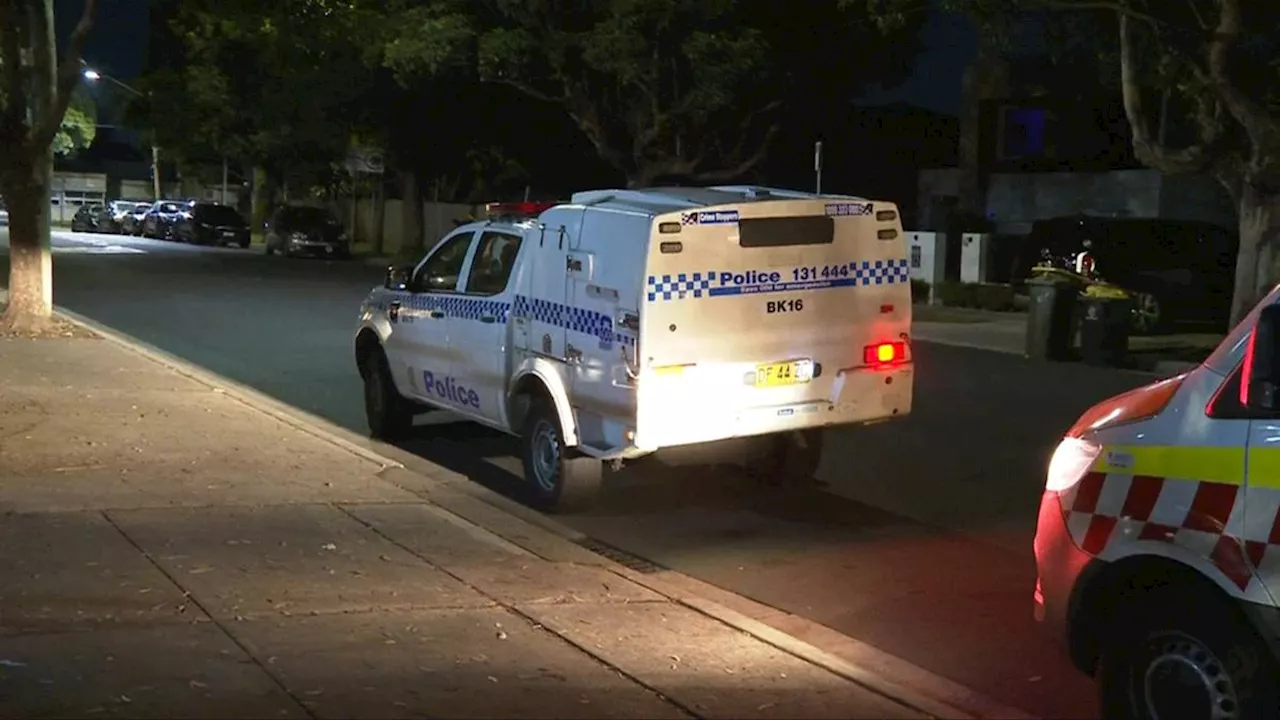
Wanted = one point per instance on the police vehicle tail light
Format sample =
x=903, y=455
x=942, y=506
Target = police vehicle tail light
x=890, y=353
x=1073, y=458
x=520, y=210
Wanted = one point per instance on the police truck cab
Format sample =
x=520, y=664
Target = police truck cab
x=622, y=322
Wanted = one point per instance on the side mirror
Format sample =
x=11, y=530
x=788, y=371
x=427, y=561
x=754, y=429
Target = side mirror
x=1261, y=386
x=397, y=278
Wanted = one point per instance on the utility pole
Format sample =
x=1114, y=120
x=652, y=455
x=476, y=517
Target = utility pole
x=224, y=181
x=155, y=170
x=817, y=165
x=93, y=75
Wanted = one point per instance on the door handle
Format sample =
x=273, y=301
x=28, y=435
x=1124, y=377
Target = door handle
x=488, y=319
x=437, y=314
x=571, y=353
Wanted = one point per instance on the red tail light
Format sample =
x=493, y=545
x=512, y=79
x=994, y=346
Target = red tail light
x=1085, y=264
x=884, y=353
x=517, y=209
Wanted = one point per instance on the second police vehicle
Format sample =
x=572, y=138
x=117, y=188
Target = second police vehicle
x=622, y=322
x=1158, y=543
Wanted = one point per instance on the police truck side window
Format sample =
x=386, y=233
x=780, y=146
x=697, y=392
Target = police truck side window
x=494, y=260
x=442, y=270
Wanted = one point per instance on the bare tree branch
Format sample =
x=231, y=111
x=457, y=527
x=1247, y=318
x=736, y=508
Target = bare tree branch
x=746, y=165
x=1120, y=8
x=1149, y=151
x=13, y=123
x=530, y=90
x=67, y=77
x=1262, y=129
x=1195, y=11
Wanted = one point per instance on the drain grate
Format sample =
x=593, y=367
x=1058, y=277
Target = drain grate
x=622, y=557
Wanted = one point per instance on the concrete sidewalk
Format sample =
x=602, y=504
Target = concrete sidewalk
x=168, y=551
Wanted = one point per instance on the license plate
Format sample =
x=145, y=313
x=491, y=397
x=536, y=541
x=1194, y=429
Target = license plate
x=228, y=233
x=794, y=372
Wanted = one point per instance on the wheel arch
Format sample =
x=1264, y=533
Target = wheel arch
x=538, y=381
x=1105, y=587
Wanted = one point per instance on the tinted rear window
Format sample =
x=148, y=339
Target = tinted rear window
x=305, y=216
x=219, y=214
x=786, y=231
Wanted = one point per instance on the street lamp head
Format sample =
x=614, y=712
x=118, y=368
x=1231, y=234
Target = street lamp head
x=91, y=74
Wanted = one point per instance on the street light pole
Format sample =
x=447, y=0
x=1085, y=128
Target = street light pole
x=93, y=76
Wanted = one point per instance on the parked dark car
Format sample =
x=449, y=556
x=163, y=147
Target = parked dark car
x=160, y=219
x=1178, y=270
x=213, y=224
x=116, y=211
x=91, y=217
x=296, y=230
x=131, y=220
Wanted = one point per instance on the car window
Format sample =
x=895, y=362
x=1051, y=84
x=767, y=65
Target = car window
x=218, y=214
x=494, y=260
x=169, y=207
x=443, y=269
x=306, y=216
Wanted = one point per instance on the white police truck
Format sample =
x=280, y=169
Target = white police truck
x=622, y=322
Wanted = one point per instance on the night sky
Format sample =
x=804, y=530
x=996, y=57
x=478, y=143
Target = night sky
x=118, y=44
x=118, y=47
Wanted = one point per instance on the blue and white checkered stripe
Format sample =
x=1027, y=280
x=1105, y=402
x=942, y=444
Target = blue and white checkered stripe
x=679, y=286
x=573, y=319
x=862, y=273
x=460, y=306
x=881, y=272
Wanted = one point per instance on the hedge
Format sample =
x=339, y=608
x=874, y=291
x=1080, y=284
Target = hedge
x=983, y=296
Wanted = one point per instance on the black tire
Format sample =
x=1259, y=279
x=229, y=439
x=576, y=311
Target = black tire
x=390, y=415
x=243, y=244
x=557, y=479
x=1185, y=648
x=1151, y=312
x=789, y=458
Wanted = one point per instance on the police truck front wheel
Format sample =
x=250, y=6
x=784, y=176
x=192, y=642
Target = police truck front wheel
x=1186, y=654
x=389, y=414
x=556, y=479
x=789, y=458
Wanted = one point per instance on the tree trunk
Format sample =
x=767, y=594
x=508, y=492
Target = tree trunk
x=379, y=214
x=261, y=198
x=1258, y=264
x=30, y=305
x=413, y=230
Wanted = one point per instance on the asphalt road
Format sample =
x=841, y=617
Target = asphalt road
x=919, y=544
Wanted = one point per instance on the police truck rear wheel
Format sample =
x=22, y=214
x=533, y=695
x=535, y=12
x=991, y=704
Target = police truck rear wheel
x=1185, y=654
x=556, y=479
x=389, y=414
x=788, y=459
